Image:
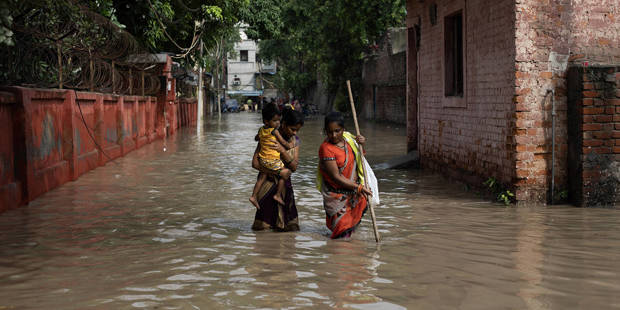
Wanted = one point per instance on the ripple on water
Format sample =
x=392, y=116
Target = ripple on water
x=305, y=274
x=171, y=286
x=378, y=305
x=163, y=240
x=191, y=278
x=139, y=297
x=239, y=271
x=311, y=294
x=181, y=296
x=144, y=304
x=141, y=289
x=311, y=244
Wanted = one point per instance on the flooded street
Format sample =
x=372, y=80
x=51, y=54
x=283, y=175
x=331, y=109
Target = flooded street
x=171, y=230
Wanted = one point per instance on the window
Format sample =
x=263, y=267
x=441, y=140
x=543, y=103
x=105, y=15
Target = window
x=453, y=55
x=243, y=55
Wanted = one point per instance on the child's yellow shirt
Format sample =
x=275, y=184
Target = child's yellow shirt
x=265, y=136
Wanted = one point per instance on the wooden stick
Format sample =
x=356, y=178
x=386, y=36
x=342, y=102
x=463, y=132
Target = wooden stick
x=357, y=129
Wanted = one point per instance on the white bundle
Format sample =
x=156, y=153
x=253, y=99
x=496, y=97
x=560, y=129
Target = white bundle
x=372, y=183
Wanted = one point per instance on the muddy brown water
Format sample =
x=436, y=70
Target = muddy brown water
x=171, y=230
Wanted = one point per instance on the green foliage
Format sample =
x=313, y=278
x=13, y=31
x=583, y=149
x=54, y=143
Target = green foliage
x=310, y=38
x=39, y=29
x=168, y=25
x=173, y=25
x=502, y=194
x=505, y=197
x=6, y=35
x=341, y=102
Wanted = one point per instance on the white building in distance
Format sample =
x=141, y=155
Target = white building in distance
x=244, y=70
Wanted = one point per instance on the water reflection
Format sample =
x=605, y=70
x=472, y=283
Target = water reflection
x=172, y=230
x=348, y=273
x=529, y=257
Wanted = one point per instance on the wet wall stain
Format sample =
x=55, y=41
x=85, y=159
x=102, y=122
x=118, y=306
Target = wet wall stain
x=78, y=141
x=111, y=135
x=134, y=125
x=49, y=143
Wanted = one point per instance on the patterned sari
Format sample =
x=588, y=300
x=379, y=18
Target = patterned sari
x=343, y=208
x=272, y=215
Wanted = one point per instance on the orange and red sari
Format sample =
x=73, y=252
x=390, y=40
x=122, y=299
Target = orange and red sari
x=343, y=208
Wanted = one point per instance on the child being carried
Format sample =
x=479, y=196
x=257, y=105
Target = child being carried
x=269, y=156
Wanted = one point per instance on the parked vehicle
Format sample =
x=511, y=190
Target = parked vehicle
x=231, y=105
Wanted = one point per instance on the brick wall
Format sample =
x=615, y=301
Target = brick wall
x=384, y=85
x=594, y=135
x=11, y=153
x=550, y=35
x=470, y=138
x=52, y=136
x=516, y=57
x=187, y=111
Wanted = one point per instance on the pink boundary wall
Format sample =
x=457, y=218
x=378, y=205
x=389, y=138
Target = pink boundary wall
x=45, y=142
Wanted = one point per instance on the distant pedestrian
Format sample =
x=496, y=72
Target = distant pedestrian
x=297, y=105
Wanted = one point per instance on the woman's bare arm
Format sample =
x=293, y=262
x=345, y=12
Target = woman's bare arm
x=291, y=161
x=281, y=140
x=331, y=168
x=255, y=163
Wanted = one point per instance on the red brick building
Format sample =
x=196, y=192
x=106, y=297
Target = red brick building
x=480, y=82
x=384, y=78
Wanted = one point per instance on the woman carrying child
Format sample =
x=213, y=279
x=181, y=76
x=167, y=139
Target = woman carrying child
x=273, y=213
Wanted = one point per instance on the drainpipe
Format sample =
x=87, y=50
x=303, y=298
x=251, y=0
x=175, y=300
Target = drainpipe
x=553, y=115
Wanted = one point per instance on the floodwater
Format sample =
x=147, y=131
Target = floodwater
x=171, y=230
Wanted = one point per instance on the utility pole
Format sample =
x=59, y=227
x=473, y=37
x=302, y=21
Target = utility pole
x=200, y=91
x=220, y=76
x=262, y=84
x=216, y=76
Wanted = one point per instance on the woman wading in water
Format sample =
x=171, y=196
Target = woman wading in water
x=270, y=214
x=340, y=178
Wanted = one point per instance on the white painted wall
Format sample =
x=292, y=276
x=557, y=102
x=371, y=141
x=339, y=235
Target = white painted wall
x=245, y=71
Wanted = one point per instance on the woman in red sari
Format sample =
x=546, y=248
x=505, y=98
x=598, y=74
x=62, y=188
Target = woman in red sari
x=340, y=178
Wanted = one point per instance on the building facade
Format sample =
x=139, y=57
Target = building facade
x=483, y=78
x=245, y=69
x=384, y=78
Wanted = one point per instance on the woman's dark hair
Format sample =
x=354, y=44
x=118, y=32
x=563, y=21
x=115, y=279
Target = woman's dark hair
x=292, y=117
x=269, y=111
x=334, y=117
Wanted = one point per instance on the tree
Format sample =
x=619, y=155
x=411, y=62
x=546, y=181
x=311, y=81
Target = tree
x=53, y=31
x=326, y=38
x=174, y=25
x=6, y=35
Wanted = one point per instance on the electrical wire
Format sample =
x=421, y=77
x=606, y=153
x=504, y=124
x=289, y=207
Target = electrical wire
x=163, y=27
x=89, y=131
